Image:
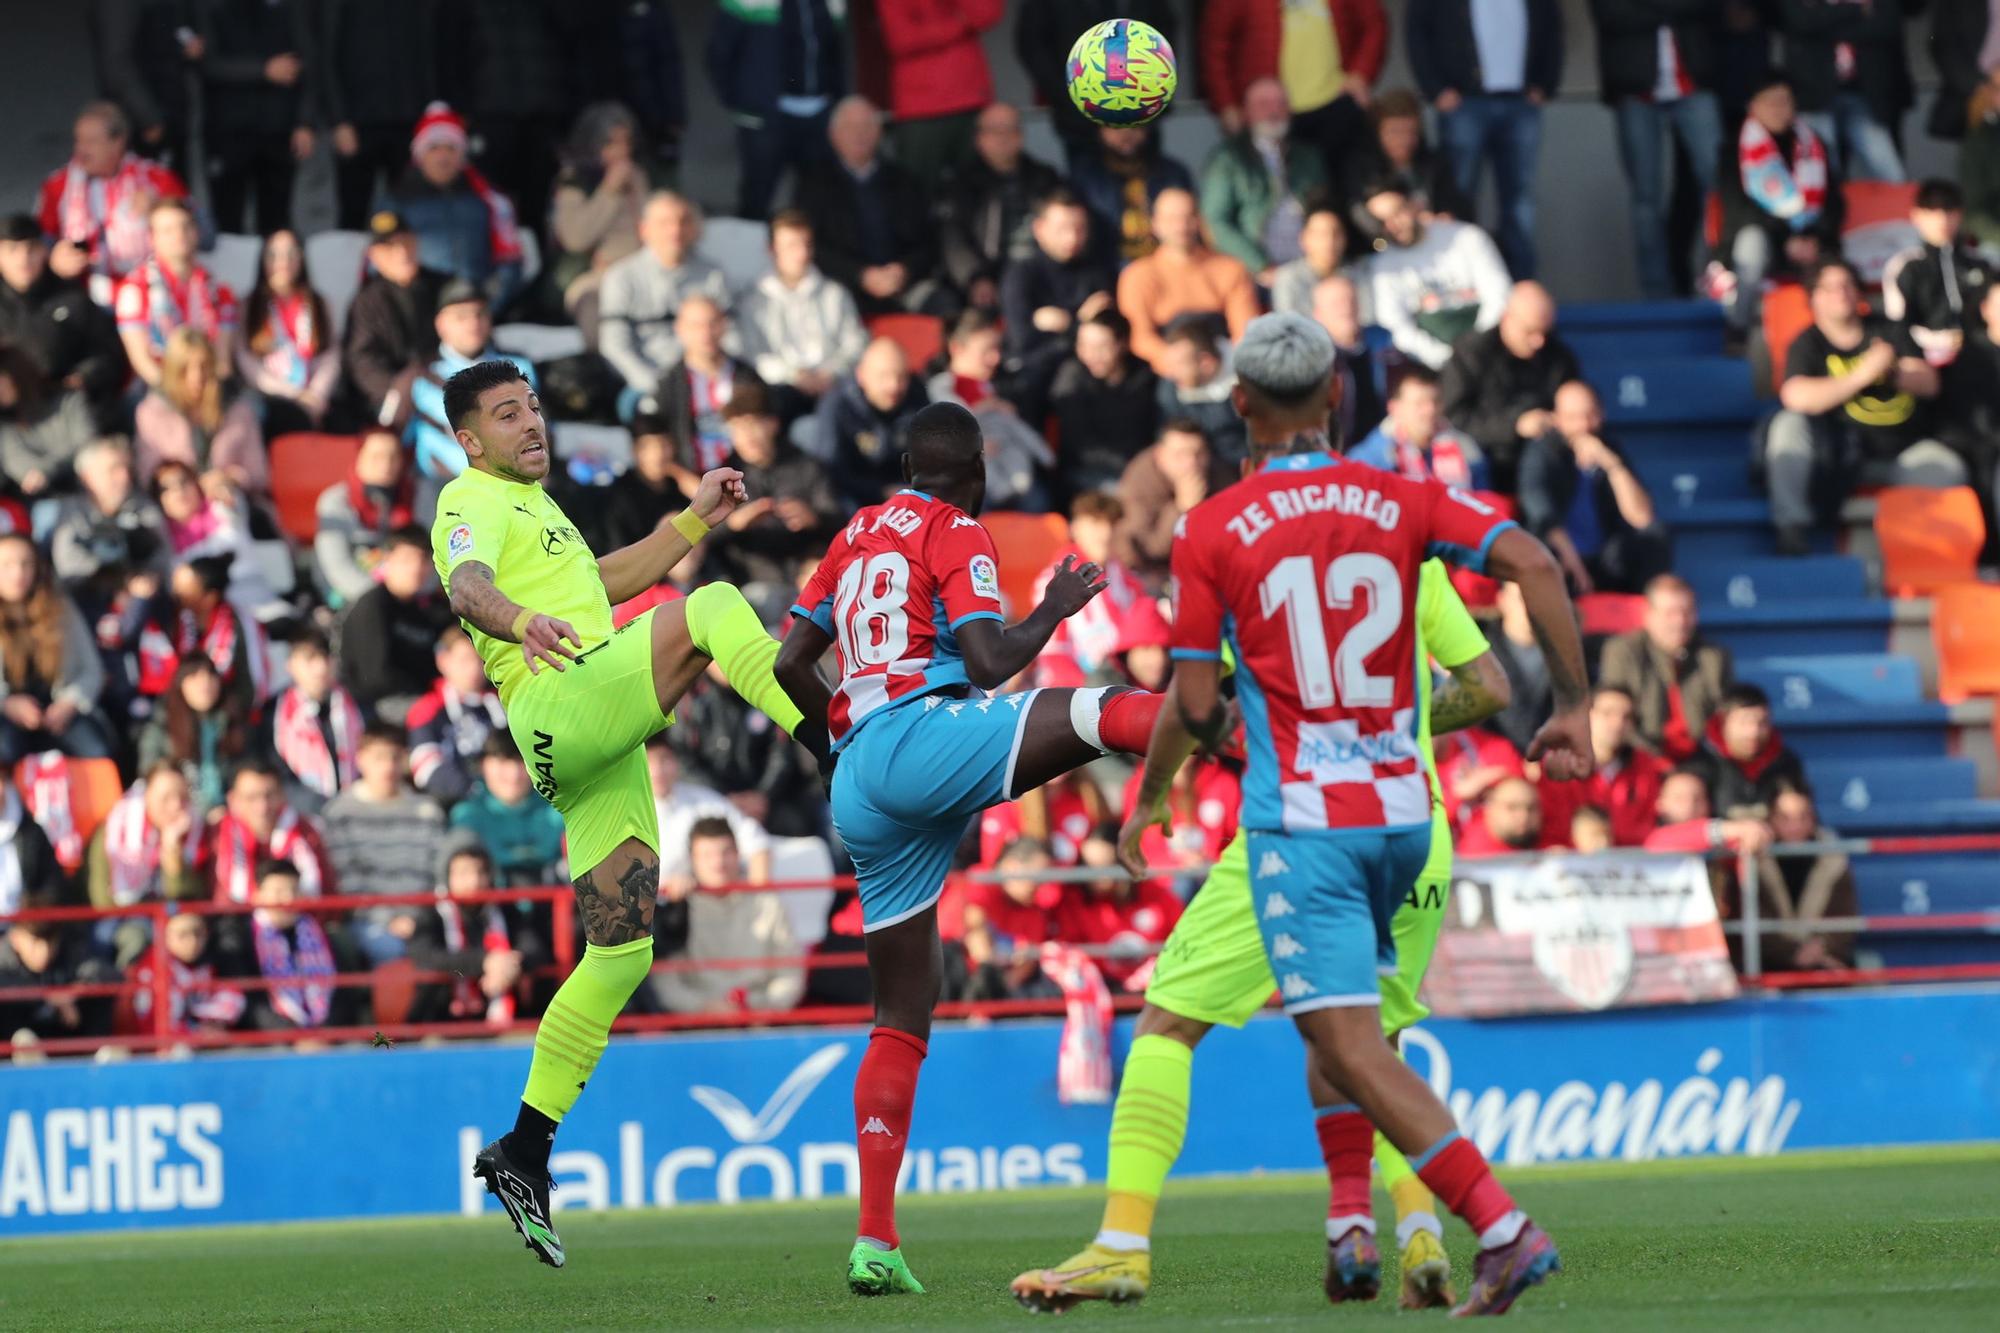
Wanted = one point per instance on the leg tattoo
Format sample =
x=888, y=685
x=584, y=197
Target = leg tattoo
x=616, y=897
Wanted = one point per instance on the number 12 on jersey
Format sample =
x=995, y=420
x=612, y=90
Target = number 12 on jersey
x=1293, y=589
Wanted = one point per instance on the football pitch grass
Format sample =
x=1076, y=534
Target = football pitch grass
x=1902, y=1239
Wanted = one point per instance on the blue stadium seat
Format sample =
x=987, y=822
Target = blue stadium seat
x=1777, y=629
x=1804, y=682
x=1847, y=788
x=1677, y=483
x=1921, y=818
x=1924, y=883
x=1721, y=527
x=1859, y=731
x=1678, y=389
x=1933, y=950
x=1739, y=581
x=1626, y=330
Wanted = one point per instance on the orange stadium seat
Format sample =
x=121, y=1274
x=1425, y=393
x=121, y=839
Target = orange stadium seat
x=920, y=336
x=94, y=787
x=1786, y=316
x=303, y=465
x=1965, y=623
x=1928, y=538
x=1027, y=544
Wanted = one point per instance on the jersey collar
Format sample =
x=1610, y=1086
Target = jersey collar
x=479, y=477
x=911, y=490
x=1319, y=458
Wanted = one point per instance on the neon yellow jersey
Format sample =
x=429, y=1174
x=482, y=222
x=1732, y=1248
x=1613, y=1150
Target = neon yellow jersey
x=1448, y=633
x=537, y=556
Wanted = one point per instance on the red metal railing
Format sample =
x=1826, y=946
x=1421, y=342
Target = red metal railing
x=163, y=1034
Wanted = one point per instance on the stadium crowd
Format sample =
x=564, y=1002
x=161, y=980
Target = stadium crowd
x=296, y=714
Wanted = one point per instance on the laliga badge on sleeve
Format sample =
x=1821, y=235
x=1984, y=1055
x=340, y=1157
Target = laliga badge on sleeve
x=459, y=544
x=985, y=577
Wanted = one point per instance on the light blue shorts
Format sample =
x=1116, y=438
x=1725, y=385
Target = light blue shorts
x=1324, y=905
x=909, y=785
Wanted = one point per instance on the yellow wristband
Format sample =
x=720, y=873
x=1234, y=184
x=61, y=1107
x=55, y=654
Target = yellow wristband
x=521, y=623
x=689, y=525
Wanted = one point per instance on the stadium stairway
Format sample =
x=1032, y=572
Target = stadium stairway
x=1850, y=672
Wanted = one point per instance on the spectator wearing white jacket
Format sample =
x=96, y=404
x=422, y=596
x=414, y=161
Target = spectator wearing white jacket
x=801, y=330
x=1433, y=281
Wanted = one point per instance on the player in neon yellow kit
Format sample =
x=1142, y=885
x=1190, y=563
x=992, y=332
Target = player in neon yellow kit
x=582, y=699
x=1214, y=969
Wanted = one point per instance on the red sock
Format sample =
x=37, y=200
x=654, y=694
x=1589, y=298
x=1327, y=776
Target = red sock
x=884, y=1091
x=1126, y=723
x=1347, y=1143
x=1457, y=1173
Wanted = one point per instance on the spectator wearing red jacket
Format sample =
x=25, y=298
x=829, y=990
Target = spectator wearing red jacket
x=94, y=206
x=1626, y=783
x=1130, y=919
x=938, y=78
x=1072, y=808
x=1006, y=924
x=1509, y=820
x=1685, y=823
x=1327, y=53
x=1205, y=801
x=1742, y=756
x=1469, y=763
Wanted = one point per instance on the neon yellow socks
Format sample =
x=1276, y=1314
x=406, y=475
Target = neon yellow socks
x=721, y=624
x=1148, y=1126
x=1416, y=1206
x=577, y=1025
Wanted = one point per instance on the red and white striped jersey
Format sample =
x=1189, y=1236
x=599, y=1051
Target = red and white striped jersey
x=1309, y=570
x=892, y=591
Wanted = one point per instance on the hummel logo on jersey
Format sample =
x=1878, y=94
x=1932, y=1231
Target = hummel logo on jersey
x=875, y=1126
x=1294, y=986
x=1272, y=864
x=1275, y=906
x=1284, y=946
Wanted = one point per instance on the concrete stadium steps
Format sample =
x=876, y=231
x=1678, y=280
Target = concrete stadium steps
x=1627, y=330
x=1750, y=581
x=1839, y=678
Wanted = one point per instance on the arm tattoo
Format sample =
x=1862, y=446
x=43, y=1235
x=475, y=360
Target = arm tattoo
x=1461, y=700
x=480, y=604
x=618, y=909
x=1567, y=677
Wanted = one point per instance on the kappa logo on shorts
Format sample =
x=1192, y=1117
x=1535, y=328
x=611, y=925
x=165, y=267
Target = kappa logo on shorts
x=1275, y=906
x=985, y=577
x=1283, y=946
x=1294, y=986
x=1271, y=864
x=544, y=767
x=459, y=543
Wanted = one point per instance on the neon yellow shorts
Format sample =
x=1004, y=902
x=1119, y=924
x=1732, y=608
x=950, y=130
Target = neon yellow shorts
x=583, y=732
x=1213, y=967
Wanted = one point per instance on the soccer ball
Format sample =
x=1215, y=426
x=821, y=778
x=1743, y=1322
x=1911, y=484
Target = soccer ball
x=1122, y=72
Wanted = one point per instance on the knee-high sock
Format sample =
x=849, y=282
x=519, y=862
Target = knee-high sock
x=1458, y=1172
x=884, y=1091
x=1148, y=1126
x=1344, y=1138
x=722, y=625
x=1416, y=1206
x=1125, y=725
x=573, y=1032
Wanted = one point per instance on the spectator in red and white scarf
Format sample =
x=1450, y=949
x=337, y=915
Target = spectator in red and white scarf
x=358, y=515
x=470, y=940
x=1781, y=199
x=449, y=726
x=150, y=847
x=169, y=291
x=94, y=206
x=196, y=1001
x=189, y=417
x=315, y=726
x=200, y=730
x=256, y=825
x=1415, y=441
x=293, y=952
x=287, y=351
x=203, y=619
x=1127, y=918
x=463, y=225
